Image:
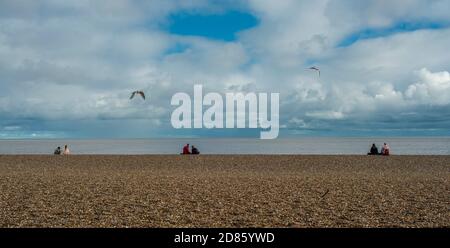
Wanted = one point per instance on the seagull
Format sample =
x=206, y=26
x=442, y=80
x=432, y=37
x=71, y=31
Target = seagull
x=314, y=68
x=137, y=92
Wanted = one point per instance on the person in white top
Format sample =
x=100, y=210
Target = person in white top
x=66, y=150
x=385, y=149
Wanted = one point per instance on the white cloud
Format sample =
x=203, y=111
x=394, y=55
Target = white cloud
x=433, y=88
x=78, y=60
x=297, y=123
x=326, y=115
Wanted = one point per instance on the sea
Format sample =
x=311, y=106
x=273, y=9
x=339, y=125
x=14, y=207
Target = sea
x=307, y=145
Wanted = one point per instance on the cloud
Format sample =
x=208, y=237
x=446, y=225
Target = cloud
x=326, y=115
x=433, y=88
x=74, y=63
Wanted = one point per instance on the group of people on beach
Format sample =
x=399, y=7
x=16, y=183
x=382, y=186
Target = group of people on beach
x=384, y=150
x=373, y=150
x=58, y=151
x=193, y=151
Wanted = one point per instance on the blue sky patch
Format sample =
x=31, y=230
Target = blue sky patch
x=402, y=27
x=223, y=26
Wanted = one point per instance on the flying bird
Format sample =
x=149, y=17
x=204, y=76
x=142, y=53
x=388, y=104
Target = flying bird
x=137, y=92
x=314, y=68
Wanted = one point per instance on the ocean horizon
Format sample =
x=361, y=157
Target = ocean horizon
x=305, y=146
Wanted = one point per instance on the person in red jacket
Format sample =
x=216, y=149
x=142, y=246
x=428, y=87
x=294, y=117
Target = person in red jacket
x=186, y=149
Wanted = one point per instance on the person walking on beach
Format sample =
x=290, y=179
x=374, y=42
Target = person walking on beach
x=186, y=149
x=66, y=150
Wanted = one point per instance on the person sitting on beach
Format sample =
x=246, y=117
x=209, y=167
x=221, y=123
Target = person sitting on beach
x=66, y=150
x=195, y=150
x=57, y=151
x=385, y=150
x=186, y=149
x=373, y=150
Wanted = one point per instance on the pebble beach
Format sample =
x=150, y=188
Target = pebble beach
x=224, y=191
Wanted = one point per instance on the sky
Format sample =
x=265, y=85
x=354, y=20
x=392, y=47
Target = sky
x=67, y=68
